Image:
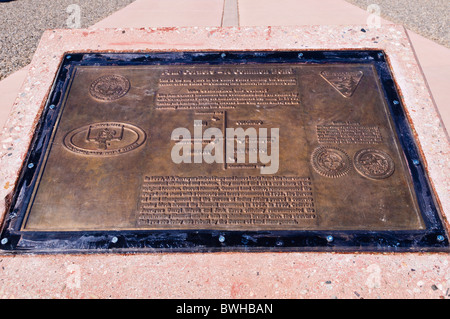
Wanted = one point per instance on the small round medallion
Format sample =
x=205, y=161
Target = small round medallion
x=373, y=163
x=330, y=161
x=109, y=87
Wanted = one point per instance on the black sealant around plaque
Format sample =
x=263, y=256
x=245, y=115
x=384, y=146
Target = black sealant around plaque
x=433, y=238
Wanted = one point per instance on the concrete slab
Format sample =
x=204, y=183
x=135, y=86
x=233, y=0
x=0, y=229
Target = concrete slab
x=226, y=275
x=230, y=16
x=434, y=58
x=435, y=63
x=166, y=13
x=9, y=88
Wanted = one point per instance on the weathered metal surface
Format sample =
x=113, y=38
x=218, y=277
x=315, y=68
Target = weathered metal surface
x=110, y=164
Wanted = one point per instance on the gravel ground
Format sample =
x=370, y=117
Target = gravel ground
x=22, y=23
x=429, y=18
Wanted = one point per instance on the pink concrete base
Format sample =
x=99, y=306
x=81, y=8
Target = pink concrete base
x=9, y=88
x=226, y=275
x=216, y=275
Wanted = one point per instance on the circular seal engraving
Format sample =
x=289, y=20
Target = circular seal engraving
x=109, y=87
x=104, y=139
x=330, y=161
x=374, y=163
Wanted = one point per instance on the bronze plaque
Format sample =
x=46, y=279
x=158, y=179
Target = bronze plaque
x=248, y=147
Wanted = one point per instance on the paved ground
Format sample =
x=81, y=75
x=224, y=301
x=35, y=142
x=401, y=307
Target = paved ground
x=23, y=21
x=430, y=18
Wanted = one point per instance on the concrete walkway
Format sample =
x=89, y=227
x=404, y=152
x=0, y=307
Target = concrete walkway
x=434, y=58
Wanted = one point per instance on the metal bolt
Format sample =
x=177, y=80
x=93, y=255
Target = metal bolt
x=440, y=238
x=114, y=240
x=300, y=55
x=279, y=243
x=416, y=162
x=52, y=106
x=68, y=57
x=31, y=165
x=395, y=102
x=221, y=238
x=380, y=55
x=4, y=241
x=330, y=238
x=223, y=55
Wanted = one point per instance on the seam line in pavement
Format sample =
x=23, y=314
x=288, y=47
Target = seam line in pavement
x=230, y=15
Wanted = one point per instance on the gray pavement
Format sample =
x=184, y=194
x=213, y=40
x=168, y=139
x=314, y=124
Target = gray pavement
x=22, y=23
x=429, y=18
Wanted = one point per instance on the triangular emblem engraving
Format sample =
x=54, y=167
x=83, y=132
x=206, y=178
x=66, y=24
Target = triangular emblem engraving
x=345, y=82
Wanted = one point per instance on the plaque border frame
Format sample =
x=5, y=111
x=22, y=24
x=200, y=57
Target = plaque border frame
x=433, y=238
